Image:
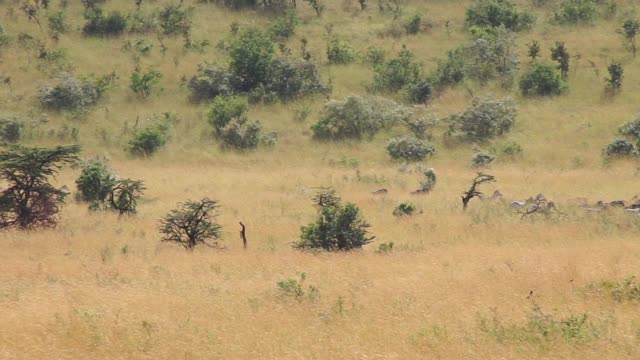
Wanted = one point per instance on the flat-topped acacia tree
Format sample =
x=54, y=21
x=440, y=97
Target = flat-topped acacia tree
x=30, y=200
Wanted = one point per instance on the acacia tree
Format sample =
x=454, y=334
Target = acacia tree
x=125, y=194
x=30, y=200
x=192, y=224
x=630, y=30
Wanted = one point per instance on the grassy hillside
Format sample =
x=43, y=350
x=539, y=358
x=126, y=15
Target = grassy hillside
x=479, y=284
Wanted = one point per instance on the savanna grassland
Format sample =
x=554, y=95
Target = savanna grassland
x=479, y=284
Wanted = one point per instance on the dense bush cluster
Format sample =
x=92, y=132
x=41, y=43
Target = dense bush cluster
x=11, y=129
x=211, y=81
x=148, y=140
x=339, y=52
x=357, y=118
x=485, y=119
x=621, y=148
x=397, y=73
x=231, y=126
x=482, y=160
x=104, y=191
x=71, y=93
x=104, y=25
x=496, y=13
x=542, y=80
x=577, y=11
x=409, y=148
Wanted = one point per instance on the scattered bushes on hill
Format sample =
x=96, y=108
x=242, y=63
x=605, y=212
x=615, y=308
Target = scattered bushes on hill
x=251, y=56
x=485, y=119
x=142, y=82
x=397, y=73
x=231, y=126
x=409, y=148
x=99, y=24
x=337, y=227
x=542, y=80
x=175, y=20
x=71, y=93
x=153, y=137
x=357, y=118
x=193, y=223
x=11, y=129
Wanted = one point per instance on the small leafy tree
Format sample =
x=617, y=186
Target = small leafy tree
x=228, y=118
x=175, y=20
x=224, y=109
x=99, y=24
x=251, y=56
x=191, y=224
x=560, y=54
x=211, y=81
x=413, y=25
x=56, y=23
x=621, y=148
x=409, y=148
x=337, y=228
x=496, y=13
x=151, y=138
x=630, y=30
x=95, y=183
x=11, y=129
x=29, y=199
x=614, y=82
x=492, y=54
x=142, y=82
x=577, y=11
x=533, y=50
x=542, y=80
x=485, y=119
x=339, y=52
x=397, y=73
x=285, y=26
x=290, y=79
x=429, y=182
x=631, y=129
x=124, y=196
x=404, y=209
x=449, y=71
x=482, y=160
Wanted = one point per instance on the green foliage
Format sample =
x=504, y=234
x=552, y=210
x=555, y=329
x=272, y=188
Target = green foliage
x=71, y=93
x=429, y=181
x=577, y=11
x=150, y=139
x=11, y=129
x=375, y=55
x=631, y=129
x=124, y=196
x=419, y=92
x=413, y=25
x=421, y=123
x=482, y=160
x=193, y=223
x=409, y=148
x=614, y=81
x=560, y=54
x=224, y=109
x=294, y=289
x=99, y=24
x=28, y=199
x=485, y=119
x=142, y=82
x=284, y=27
x=492, y=54
x=630, y=30
x=337, y=228
x=621, y=148
x=620, y=291
x=496, y=13
x=542, y=80
x=56, y=23
x=95, y=183
x=385, y=248
x=449, y=71
x=339, y=52
x=175, y=20
x=251, y=56
x=211, y=81
x=289, y=79
x=404, y=209
x=397, y=73
x=357, y=118
x=509, y=149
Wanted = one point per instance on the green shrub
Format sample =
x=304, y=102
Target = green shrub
x=631, y=128
x=174, y=20
x=101, y=25
x=56, y=23
x=339, y=52
x=419, y=92
x=496, y=13
x=404, y=209
x=482, y=160
x=211, y=81
x=151, y=138
x=243, y=134
x=71, y=93
x=542, y=80
x=337, y=228
x=492, y=54
x=509, y=149
x=621, y=148
x=191, y=224
x=397, y=73
x=409, y=148
x=285, y=26
x=429, y=181
x=124, y=196
x=614, y=81
x=251, y=56
x=449, y=71
x=375, y=55
x=485, y=119
x=357, y=118
x=294, y=289
x=620, y=291
x=421, y=123
x=577, y=11
x=224, y=109
x=140, y=23
x=413, y=25
x=143, y=82
x=228, y=118
x=95, y=183
x=11, y=129
x=385, y=248
x=290, y=79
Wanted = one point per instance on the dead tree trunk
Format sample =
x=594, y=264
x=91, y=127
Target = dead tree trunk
x=243, y=235
x=473, y=191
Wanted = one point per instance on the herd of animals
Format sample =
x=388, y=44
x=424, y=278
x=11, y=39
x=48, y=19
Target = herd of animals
x=539, y=203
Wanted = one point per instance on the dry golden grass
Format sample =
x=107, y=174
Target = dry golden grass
x=104, y=287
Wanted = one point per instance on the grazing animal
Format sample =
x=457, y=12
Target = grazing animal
x=518, y=204
x=380, y=192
